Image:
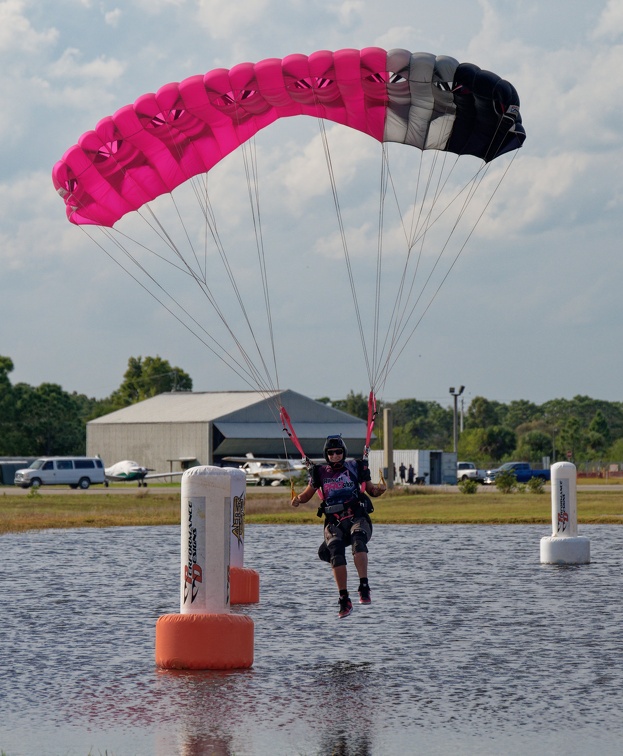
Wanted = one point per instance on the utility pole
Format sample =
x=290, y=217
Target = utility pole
x=456, y=395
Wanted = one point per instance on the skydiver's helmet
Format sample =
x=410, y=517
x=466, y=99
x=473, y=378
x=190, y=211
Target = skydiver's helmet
x=335, y=442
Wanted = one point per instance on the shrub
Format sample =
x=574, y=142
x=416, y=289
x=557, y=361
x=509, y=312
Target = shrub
x=506, y=481
x=468, y=486
x=536, y=485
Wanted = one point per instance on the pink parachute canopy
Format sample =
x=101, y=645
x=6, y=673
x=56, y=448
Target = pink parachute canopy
x=152, y=146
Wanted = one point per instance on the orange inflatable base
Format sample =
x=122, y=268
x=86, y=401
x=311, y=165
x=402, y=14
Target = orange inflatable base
x=204, y=641
x=244, y=586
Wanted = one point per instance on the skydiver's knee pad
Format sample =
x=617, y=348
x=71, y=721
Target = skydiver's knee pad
x=337, y=552
x=359, y=542
x=323, y=553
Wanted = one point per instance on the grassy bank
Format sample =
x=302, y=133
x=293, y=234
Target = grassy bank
x=427, y=506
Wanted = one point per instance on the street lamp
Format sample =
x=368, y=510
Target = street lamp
x=456, y=395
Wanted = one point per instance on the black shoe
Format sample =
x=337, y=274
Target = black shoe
x=346, y=607
x=364, y=594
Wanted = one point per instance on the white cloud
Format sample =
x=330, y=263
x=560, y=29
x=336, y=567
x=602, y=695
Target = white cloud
x=348, y=11
x=304, y=172
x=70, y=66
x=17, y=33
x=224, y=19
x=610, y=25
x=113, y=17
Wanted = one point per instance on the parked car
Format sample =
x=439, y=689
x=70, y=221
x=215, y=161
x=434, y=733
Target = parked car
x=523, y=472
x=75, y=472
x=469, y=471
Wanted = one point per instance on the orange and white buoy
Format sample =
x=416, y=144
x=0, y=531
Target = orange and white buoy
x=565, y=546
x=205, y=635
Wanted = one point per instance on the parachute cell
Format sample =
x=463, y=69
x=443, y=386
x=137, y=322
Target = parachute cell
x=184, y=129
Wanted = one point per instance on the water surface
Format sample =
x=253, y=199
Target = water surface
x=470, y=646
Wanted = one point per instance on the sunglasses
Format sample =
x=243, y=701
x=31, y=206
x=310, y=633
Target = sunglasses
x=333, y=452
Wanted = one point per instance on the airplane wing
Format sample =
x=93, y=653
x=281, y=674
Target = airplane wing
x=284, y=464
x=153, y=476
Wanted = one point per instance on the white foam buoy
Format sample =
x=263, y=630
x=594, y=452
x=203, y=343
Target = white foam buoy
x=205, y=635
x=565, y=546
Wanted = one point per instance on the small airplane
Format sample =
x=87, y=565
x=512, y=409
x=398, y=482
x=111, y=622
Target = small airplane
x=127, y=471
x=268, y=471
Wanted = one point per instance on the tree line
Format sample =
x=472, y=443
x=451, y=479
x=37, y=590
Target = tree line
x=46, y=420
x=581, y=429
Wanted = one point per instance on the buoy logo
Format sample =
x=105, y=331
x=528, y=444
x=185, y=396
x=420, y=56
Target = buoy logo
x=563, y=514
x=193, y=574
x=237, y=527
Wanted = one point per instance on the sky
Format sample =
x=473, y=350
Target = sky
x=529, y=306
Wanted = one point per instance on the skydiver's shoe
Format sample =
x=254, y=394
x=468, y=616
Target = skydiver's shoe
x=346, y=607
x=364, y=594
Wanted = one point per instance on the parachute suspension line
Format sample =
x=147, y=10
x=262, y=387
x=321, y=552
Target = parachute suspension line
x=482, y=173
x=390, y=361
x=404, y=294
x=207, y=292
x=228, y=360
x=204, y=200
x=398, y=324
x=384, y=174
x=253, y=378
x=199, y=187
x=327, y=152
x=417, y=235
x=251, y=172
x=158, y=229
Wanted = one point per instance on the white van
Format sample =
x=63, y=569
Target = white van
x=75, y=472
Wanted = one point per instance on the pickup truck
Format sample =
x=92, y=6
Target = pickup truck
x=523, y=472
x=469, y=471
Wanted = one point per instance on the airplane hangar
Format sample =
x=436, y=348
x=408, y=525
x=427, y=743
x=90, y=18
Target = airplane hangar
x=176, y=430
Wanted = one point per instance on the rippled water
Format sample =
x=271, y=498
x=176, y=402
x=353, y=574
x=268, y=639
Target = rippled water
x=471, y=646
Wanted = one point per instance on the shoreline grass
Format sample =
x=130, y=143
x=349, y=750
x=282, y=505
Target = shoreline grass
x=39, y=511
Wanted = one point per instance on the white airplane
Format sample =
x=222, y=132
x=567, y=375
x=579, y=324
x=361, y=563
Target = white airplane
x=127, y=471
x=268, y=471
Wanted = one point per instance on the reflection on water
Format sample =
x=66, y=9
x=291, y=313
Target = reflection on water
x=470, y=646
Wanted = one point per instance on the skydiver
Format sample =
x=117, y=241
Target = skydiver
x=346, y=509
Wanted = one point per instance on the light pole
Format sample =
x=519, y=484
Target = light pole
x=456, y=395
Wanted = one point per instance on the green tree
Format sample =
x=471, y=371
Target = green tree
x=572, y=439
x=534, y=445
x=7, y=407
x=148, y=377
x=482, y=413
x=615, y=452
x=471, y=447
x=598, y=436
x=519, y=412
x=48, y=421
x=421, y=425
x=354, y=404
x=498, y=442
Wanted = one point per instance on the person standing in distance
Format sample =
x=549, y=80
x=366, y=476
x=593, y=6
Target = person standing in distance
x=346, y=509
